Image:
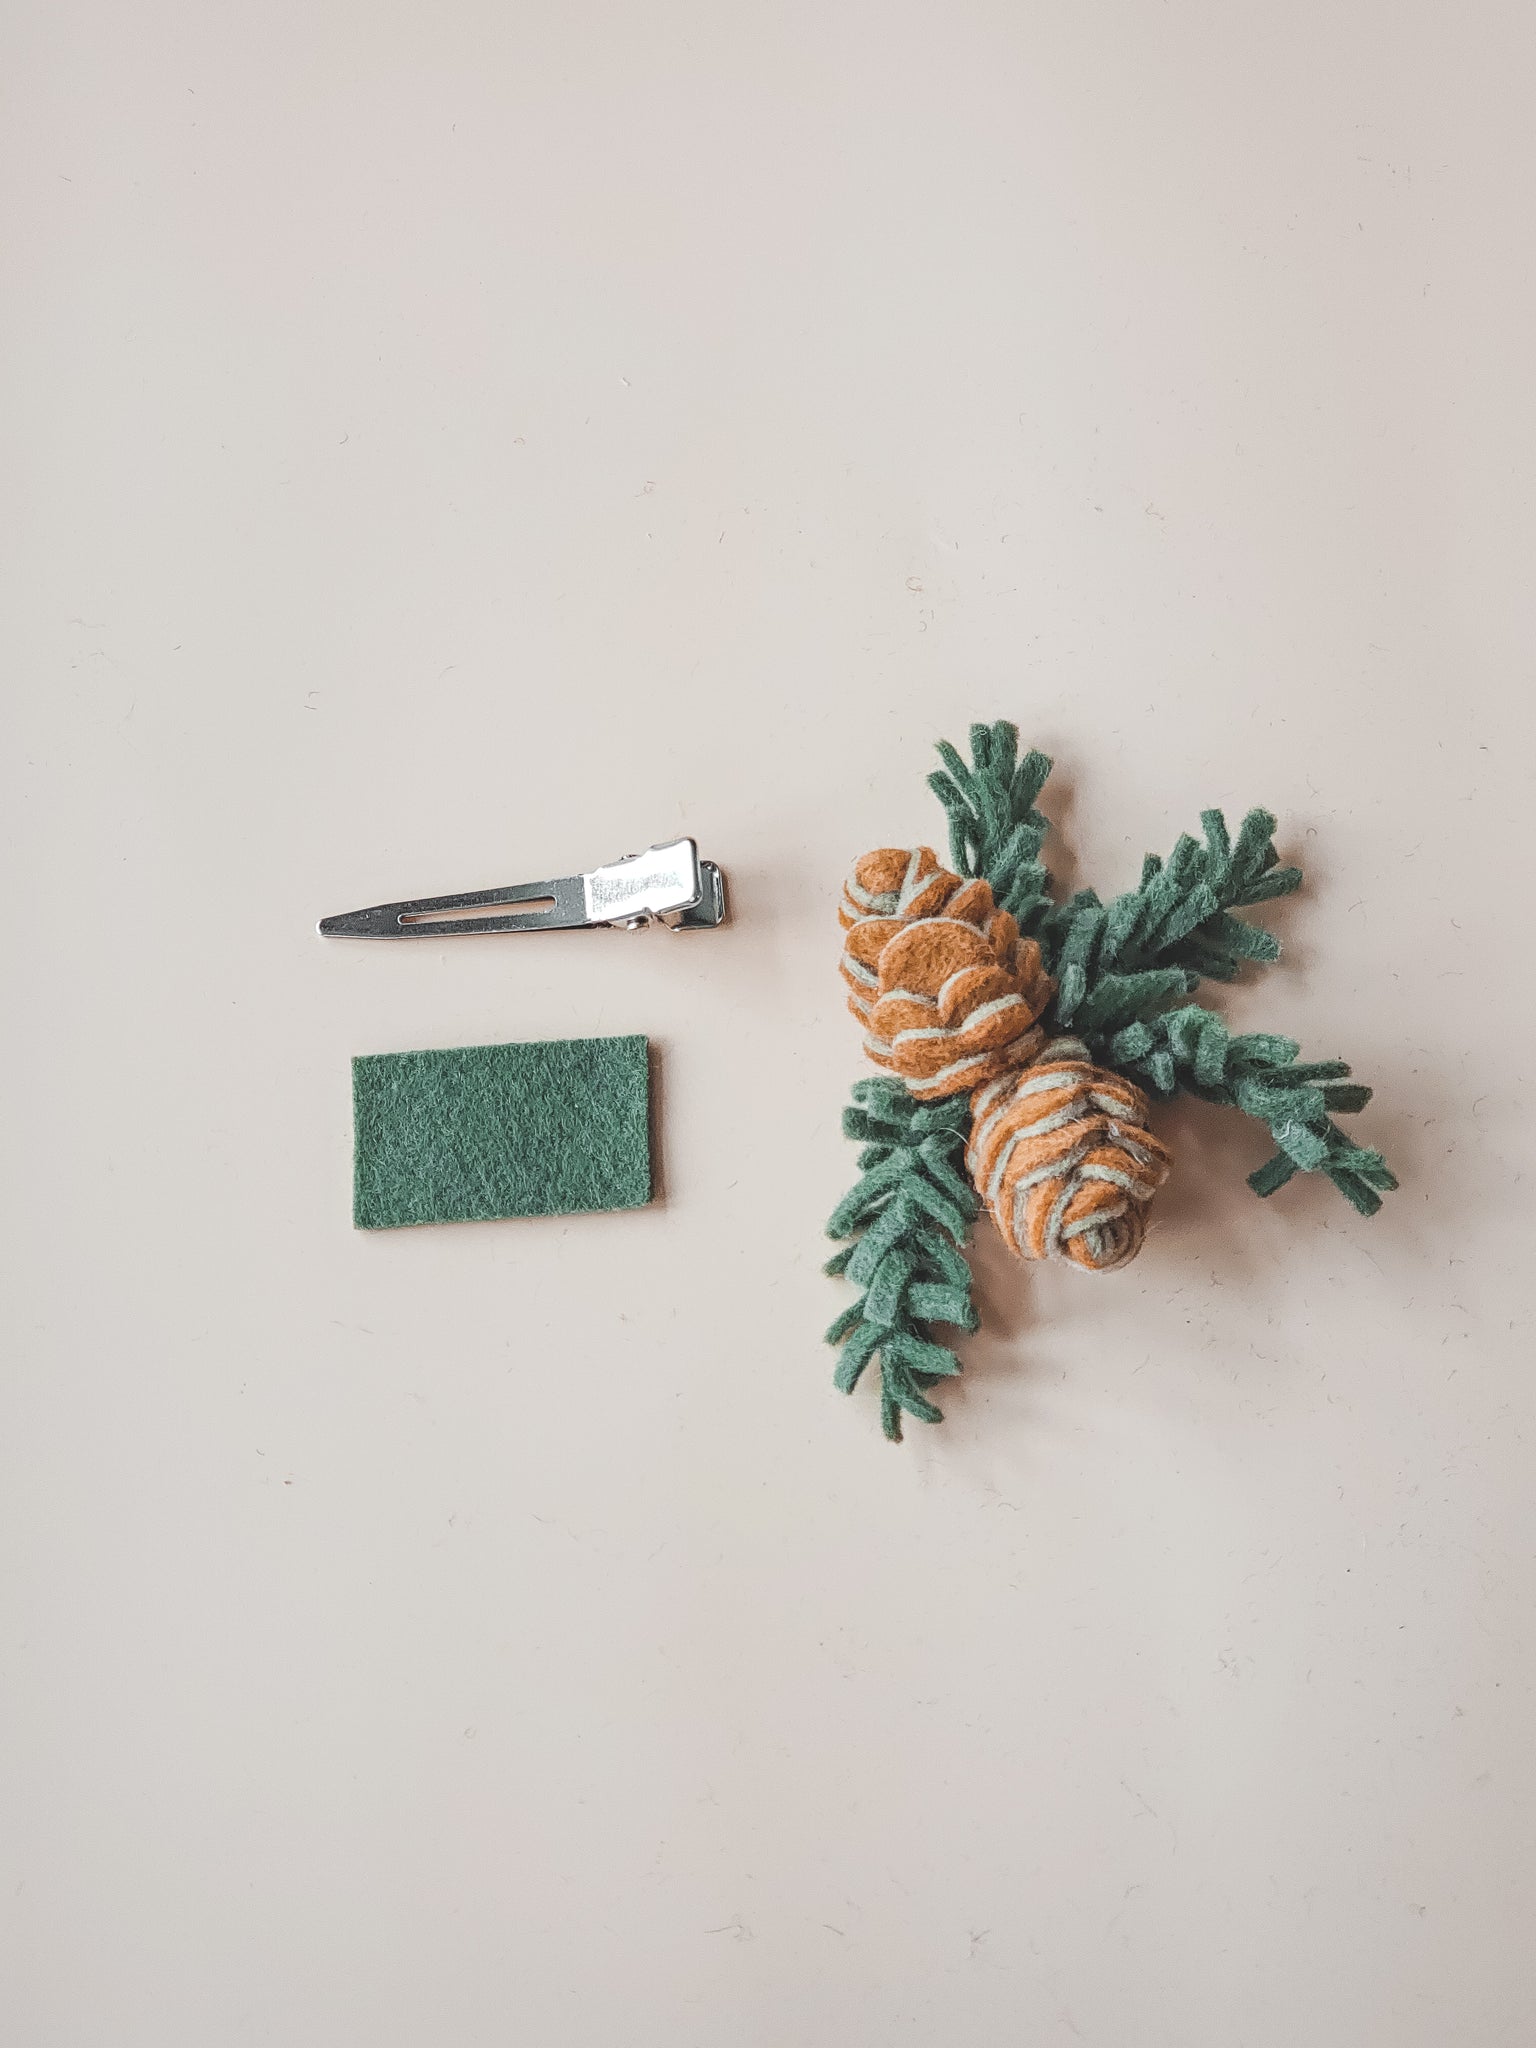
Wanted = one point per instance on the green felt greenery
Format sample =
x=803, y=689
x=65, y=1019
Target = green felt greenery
x=909, y=1216
x=1124, y=970
x=1190, y=1049
x=483, y=1131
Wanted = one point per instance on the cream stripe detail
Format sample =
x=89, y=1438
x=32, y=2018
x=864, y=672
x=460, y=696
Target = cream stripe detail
x=878, y=902
x=947, y=1075
x=914, y=1033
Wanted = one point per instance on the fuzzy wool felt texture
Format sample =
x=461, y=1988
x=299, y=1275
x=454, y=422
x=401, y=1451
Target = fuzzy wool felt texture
x=1113, y=978
x=909, y=1217
x=479, y=1132
x=1121, y=966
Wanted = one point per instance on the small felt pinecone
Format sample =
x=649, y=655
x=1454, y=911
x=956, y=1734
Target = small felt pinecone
x=1062, y=1156
x=946, y=989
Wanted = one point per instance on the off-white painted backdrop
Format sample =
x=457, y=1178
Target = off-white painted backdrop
x=449, y=444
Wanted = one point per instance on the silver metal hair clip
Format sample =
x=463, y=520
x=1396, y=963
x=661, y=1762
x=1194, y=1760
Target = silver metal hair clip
x=667, y=885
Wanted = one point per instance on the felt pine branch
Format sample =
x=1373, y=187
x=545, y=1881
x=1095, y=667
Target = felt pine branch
x=1192, y=1049
x=1179, y=918
x=1029, y=1033
x=908, y=1217
x=1119, y=965
x=1176, y=925
x=994, y=828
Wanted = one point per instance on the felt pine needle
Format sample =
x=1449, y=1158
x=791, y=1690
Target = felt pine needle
x=1020, y=1038
x=1191, y=1049
x=908, y=1219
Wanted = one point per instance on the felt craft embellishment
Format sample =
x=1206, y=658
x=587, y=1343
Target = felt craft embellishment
x=1020, y=1040
x=483, y=1131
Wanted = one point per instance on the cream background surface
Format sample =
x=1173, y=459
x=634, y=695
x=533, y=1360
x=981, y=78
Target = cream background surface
x=452, y=444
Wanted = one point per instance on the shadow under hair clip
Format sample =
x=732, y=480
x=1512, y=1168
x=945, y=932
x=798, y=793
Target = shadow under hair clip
x=1019, y=1039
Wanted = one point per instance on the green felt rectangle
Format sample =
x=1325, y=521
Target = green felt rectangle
x=483, y=1131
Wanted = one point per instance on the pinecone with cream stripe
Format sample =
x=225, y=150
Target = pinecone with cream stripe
x=947, y=991
x=950, y=997
x=1062, y=1157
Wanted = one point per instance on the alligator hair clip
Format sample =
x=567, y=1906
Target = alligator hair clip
x=667, y=885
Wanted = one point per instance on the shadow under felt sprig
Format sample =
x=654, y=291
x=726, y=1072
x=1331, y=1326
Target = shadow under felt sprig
x=1020, y=1038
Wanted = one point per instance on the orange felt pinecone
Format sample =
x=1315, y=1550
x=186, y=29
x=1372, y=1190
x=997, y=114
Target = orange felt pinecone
x=950, y=997
x=946, y=989
x=1062, y=1157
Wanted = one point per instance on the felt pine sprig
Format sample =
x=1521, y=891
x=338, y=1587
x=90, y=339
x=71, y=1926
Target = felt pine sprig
x=1023, y=1036
x=908, y=1219
x=1176, y=924
x=1191, y=1049
x=1118, y=965
x=994, y=827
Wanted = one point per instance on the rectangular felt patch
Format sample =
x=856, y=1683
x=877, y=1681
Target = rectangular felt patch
x=482, y=1131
